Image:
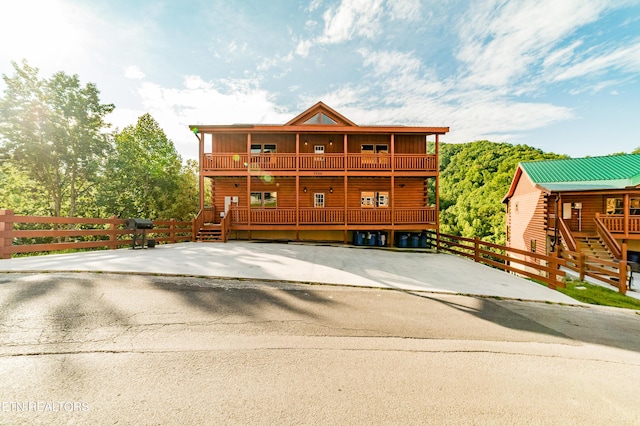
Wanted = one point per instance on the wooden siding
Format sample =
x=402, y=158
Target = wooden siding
x=229, y=143
x=526, y=219
x=591, y=204
x=410, y=144
x=284, y=142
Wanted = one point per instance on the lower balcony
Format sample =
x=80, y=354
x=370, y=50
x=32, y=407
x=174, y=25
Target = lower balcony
x=615, y=223
x=333, y=216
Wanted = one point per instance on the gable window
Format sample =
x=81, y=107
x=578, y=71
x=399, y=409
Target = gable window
x=264, y=199
x=318, y=200
x=320, y=118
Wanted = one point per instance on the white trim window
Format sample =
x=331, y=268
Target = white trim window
x=318, y=199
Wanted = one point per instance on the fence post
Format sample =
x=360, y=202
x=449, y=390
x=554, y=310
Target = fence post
x=582, y=265
x=552, y=278
x=438, y=240
x=113, y=232
x=622, y=277
x=476, y=249
x=6, y=231
x=172, y=231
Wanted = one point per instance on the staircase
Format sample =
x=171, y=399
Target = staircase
x=210, y=233
x=594, y=247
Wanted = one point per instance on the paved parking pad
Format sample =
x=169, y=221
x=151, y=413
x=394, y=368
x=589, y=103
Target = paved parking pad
x=370, y=267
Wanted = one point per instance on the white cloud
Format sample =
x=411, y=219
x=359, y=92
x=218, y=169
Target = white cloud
x=626, y=59
x=351, y=18
x=409, y=10
x=500, y=41
x=205, y=102
x=134, y=73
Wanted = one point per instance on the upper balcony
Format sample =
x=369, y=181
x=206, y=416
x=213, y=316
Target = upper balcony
x=317, y=162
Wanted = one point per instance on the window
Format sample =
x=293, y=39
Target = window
x=615, y=206
x=367, y=148
x=383, y=199
x=533, y=246
x=634, y=206
x=267, y=148
x=264, y=199
x=320, y=118
x=370, y=199
x=318, y=200
x=318, y=149
x=382, y=149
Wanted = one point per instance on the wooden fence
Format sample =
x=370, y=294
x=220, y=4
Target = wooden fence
x=38, y=234
x=541, y=267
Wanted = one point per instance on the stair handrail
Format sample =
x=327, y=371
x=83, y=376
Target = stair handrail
x=225, y=225
x=608, y=239
x=198, y=222
x=565, y=233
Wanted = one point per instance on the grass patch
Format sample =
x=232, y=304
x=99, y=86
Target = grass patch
x=598, y=295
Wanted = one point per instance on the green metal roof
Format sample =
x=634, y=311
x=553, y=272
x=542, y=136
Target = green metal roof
x=611, y=172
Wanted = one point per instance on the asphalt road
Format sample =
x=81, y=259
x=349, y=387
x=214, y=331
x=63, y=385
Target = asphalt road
x=120, y=349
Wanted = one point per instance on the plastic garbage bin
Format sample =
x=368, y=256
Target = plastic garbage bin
x=415, y=240
x=403, y=240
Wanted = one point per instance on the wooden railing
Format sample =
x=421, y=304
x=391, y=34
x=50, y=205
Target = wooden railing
x=423, y=215
x=288, y=161
x=325, y=215
x=613, y=273
x=35, y=234
x=608, y=239
x=541, y=267
x=504, y=258
x=333, y=216
x=566, y=234
x=321, y=162
x=615, y=223
x=415, y=162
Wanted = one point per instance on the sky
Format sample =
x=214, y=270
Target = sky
x=559, y=75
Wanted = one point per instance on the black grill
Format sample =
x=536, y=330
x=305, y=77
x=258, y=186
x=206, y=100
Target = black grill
x=140, y=224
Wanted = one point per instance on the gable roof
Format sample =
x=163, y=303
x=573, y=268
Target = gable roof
x=581, y=174
x=321, y=110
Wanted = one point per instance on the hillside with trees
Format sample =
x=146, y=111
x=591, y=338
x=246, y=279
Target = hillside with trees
x=474, y=177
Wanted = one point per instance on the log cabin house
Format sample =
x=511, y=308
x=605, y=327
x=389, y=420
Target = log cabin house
x=319, y=177
x=597, y=198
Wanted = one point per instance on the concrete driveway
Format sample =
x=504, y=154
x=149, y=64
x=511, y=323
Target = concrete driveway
x=368, y=267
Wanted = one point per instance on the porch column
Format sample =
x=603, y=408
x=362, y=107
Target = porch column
x=201, y=177
x=298, y=187
x=249, y=186
x=437, y=183
x=626, y=215
x=345, y=140
x=393, y=189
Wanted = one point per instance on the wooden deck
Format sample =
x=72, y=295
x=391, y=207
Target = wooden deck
x=311, y=162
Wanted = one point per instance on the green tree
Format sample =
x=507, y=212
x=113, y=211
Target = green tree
x=53, y=129
x=145, y=177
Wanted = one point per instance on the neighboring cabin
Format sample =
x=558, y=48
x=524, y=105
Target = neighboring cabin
x=318, y=177
x=598, y=200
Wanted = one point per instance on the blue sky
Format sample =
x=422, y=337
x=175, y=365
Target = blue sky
x=560, y=75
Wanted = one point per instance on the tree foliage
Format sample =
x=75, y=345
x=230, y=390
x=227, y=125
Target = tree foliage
x=52, y=129
x=474, y=177
x=145, y=176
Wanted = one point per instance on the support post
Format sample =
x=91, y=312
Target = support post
x=113, y=233
x=6, y=233
x=172, y=231
x=622, y=277
x=476, y=249
x=582, y=264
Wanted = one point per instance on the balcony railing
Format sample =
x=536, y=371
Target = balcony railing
x=615, y=223
x=332, y=216
x=288, y=161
